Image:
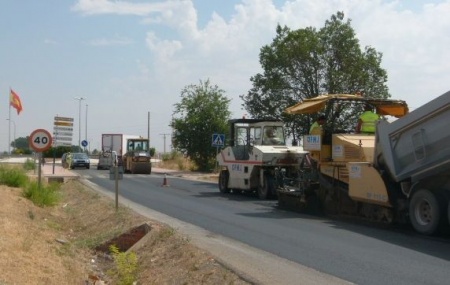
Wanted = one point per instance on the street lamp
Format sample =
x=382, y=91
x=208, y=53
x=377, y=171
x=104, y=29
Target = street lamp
x=85, y=130
x=14, y=141
x=79, y=119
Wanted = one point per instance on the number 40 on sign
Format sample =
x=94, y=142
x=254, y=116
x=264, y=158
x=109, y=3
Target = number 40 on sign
x=40, y=140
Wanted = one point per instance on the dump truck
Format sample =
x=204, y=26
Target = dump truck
x=255, y=154
x=399, y=174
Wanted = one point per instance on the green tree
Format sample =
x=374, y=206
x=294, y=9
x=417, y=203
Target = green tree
x=57, y=152
x=21, y=143
x=305, y=63
x=203, y=111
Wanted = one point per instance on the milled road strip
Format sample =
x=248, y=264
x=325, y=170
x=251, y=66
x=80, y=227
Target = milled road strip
x=254, y=265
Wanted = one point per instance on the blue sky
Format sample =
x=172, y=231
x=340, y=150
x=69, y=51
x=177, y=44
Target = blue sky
x=131, y=58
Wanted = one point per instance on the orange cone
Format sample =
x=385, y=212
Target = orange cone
x=165, y=183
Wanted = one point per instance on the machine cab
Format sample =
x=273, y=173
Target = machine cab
x=137, y=145
x=247, y=133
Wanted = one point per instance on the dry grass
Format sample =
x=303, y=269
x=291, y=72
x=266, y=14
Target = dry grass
x=54, y=245
x=177, y=163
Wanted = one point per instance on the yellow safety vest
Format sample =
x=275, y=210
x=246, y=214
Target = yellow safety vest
x=369, y=120
x=316, y=129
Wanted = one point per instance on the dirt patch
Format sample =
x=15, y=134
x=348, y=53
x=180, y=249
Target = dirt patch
x=55, y=245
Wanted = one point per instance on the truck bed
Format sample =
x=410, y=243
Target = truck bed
x=417, y=145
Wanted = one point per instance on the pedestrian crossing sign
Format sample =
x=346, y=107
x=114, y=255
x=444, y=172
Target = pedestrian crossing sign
x=218, y=140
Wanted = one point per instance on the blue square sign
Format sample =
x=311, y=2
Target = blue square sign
x=218, y=140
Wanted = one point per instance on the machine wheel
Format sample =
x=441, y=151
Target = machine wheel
x=266, y=190
x=424, y=212
x=224, y=175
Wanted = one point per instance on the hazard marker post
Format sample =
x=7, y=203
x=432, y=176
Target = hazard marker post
x=165, y=183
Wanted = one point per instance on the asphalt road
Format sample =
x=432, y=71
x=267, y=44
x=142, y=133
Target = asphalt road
x=271, y=246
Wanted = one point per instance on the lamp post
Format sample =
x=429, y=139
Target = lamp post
x=14, y=141
x=85, y=130
x=79, y=119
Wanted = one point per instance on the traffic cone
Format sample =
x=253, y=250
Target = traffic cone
x=165, y=183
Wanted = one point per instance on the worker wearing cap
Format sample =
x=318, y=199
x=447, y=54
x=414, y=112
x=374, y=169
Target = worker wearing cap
x=316, y=128
x=367, y=121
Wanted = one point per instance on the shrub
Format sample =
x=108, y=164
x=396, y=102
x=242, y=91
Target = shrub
x=13, y=177
x=29, y=164
x=126, y=266
x=46, y=195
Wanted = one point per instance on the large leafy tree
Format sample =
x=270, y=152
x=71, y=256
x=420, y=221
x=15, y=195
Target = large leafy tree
x=203, y=111
x=21, y=143
x=305, y=63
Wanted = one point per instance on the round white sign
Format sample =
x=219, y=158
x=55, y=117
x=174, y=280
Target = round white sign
x=40, y=140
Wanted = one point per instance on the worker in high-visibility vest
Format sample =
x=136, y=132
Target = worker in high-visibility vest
x=367, y=121
x=316, y=127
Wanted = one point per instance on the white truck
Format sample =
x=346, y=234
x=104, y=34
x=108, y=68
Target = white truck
x=113, y=148
x=256, y=154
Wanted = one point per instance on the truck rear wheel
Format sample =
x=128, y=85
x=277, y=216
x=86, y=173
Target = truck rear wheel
x=224, y=175
x=424, y=212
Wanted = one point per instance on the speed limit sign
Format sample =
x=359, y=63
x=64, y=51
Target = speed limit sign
x=40, y=140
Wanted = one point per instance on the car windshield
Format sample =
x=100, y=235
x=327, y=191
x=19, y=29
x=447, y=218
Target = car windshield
x=80, y=156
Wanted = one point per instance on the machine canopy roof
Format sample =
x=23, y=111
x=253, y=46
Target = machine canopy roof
x=396, y=108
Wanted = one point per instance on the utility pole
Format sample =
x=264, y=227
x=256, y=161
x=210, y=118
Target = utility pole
x=164, y=136
x=148, y=131
x=79, y=119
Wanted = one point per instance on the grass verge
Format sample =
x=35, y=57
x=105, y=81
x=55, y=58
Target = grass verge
x=40, y=194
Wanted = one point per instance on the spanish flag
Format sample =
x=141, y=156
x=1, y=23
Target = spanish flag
x=14, y=101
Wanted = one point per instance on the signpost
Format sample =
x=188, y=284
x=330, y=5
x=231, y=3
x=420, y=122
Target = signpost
x=218, y=140
x=62, y=134
x=40, y=140
x=63, y=131
x=116, y=173
x=84, y=144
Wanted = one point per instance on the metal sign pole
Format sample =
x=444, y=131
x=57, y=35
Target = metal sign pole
x=54, y=160
x=116, y=174
x=39, y=170
x=217, y=162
